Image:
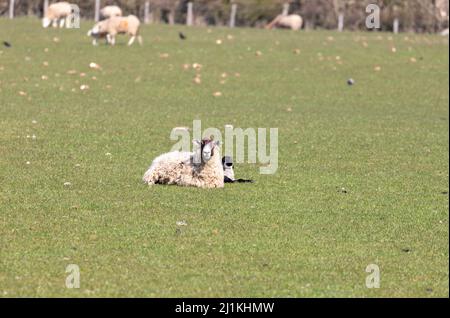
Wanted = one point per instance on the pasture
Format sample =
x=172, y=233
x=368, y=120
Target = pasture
x=362, y=177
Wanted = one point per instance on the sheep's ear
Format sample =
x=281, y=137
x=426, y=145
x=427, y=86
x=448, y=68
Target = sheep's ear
x=217, y=143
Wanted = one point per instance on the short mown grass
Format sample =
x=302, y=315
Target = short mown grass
x=362, y=178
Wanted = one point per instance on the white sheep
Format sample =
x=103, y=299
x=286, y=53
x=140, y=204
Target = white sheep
x=110, y=11
x=201, y=168
x=292, y=21
x=57, y=12
x=116, y=25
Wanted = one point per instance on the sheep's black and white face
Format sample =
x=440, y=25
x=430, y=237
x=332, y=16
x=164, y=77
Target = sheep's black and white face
x=207, y=148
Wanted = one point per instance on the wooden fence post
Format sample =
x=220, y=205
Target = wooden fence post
x=233, y=15
x=396, y=25
x=97, y=10
x=190, y=16
x=340, y=22
x=285, y=9
x=147, y=12
x=11, y=9
x=45, y=7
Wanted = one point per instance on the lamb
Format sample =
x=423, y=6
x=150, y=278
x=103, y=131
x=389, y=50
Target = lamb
x=110, y=11
x=116, y=25
x=201, y=168
x=58, y=11
x=292, y=21
x=228, y=171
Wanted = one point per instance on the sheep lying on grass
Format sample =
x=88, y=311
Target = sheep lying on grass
x=109, y=28
x=292, y=21
x=110, y=11
x=58, y=11
x=228, y=171
x=201, y=168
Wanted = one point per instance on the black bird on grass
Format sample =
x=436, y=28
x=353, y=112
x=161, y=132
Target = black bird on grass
x=6, y=43
x=182, y=36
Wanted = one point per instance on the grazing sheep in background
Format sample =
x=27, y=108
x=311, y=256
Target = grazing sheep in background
x=96, y=32
x=201, y=168
x=110, y=11
x=58, y=11
x=292, y=21
x=117, y=25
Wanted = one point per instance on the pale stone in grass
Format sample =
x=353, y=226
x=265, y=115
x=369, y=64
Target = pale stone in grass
x=218, y=41
x=94, y=65
x=217, y=94
x=67, y=184
x=197, y=66
x=197, y=80
x=181, y=223
x=84, y=87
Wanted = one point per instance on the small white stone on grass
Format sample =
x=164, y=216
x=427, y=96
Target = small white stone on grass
x=67, y=184
x=181, y=223
x=94, y=66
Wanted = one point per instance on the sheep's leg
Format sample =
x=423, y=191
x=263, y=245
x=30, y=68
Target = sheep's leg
x=54, y=23
x=131, y=40
x=62, y=21
x=139, y=39
x=113, y=39
x=94, y=42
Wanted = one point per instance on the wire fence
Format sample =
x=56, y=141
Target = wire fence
x=399, y=15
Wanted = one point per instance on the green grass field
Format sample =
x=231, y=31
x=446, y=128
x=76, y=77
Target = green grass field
x=296, y=233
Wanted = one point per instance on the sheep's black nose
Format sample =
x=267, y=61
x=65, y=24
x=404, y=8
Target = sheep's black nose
x=229, y=164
